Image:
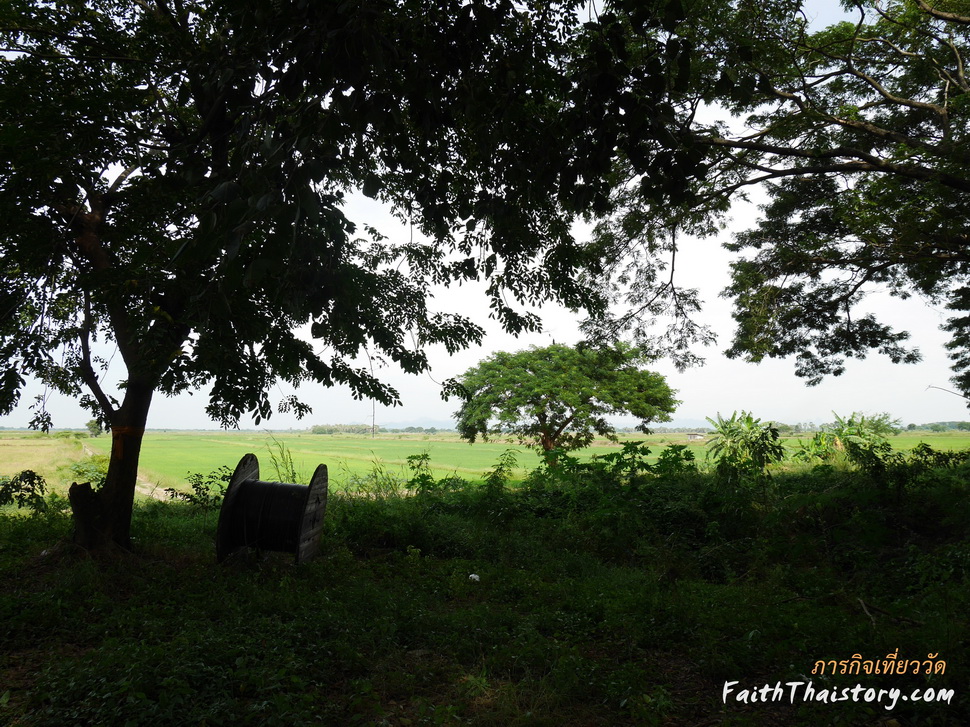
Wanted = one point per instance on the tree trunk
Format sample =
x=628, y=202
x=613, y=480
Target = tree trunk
x=102, y=518
x=548, y=444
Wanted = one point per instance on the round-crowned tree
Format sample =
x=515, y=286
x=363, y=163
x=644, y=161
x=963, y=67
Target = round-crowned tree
x=558, y=397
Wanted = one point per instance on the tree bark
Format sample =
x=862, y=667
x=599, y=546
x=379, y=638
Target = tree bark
x=102, y=518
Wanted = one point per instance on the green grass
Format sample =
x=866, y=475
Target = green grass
x=167, y=457
x=907, y=440
x=48, y=456
x=598, y=602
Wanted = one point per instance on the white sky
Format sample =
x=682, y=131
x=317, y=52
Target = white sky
x=769, y=390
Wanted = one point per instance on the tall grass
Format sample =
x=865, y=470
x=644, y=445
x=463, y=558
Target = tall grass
x=613, y=592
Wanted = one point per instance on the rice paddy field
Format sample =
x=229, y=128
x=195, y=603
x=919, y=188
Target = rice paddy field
x=169, y=456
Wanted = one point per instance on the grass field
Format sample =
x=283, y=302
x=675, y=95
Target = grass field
x=48, y=456
x=581, y=600
x=168, y=456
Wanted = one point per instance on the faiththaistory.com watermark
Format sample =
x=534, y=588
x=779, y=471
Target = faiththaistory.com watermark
x=819, y=693
x=809, y=692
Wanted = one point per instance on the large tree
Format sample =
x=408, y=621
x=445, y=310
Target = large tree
x=559, y=397
x=173, y=176
x=858, y=133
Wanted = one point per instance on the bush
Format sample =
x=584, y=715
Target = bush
x=744, y=446
x=25, y=489
x=207, y=490
x=93, y=469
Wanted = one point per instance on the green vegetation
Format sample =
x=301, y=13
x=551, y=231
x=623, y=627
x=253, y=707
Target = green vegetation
x=557, y=397
x=855, y=134
x=25, y=490
x=169, y=457
x=744, y=445
x=178, y=184
x=623, y=590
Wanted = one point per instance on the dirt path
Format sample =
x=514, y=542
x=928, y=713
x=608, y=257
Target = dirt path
x=144, y=486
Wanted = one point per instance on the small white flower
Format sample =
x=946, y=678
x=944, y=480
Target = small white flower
x=474, y=577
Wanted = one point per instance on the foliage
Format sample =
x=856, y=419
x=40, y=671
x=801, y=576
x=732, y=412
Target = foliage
x=498, y=478
x=177, y=188
x=615, y=474
x=378, y=483
x=892, y=470
x=207, y=490
x=852, y=436
x=25, y=489
x=238, y=201
x=857, y=132
x=865, y=427
x=93, y=469
x=343, y=428
x=557, y=397
x=94, y=427
x=587, y=598
x=743, y=445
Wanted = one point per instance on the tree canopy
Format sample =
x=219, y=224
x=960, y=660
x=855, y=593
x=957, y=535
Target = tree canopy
x=173, y=177
x=558, y=397
x=858, y=132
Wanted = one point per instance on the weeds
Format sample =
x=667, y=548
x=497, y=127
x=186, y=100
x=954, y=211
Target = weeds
x=207, y=490
x=379, y=483
x=281, y=459
x=617, y=591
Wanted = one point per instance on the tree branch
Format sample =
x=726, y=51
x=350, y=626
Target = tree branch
x=950, y=17
x=867, y=162
x=87, y=370
x=562, y=428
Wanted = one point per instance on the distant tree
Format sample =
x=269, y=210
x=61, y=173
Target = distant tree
x=938, y=428
x=963, y=426
x=173, y=178
x=863, y=426
x=557, y=397
x=910, y=427
x=94, y=427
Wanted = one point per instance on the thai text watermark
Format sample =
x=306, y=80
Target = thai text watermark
x=891, y=664
x=808, y=692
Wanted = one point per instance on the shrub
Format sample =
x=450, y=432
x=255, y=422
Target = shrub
x=93, y=469
x=744, y=446
x=207, y=490
x=858, y=437
x=25, y=489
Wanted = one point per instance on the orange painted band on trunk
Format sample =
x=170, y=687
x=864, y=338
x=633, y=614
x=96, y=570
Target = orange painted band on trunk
x=127, y=430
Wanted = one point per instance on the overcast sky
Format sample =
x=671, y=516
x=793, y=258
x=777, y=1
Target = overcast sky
x=769, y=390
